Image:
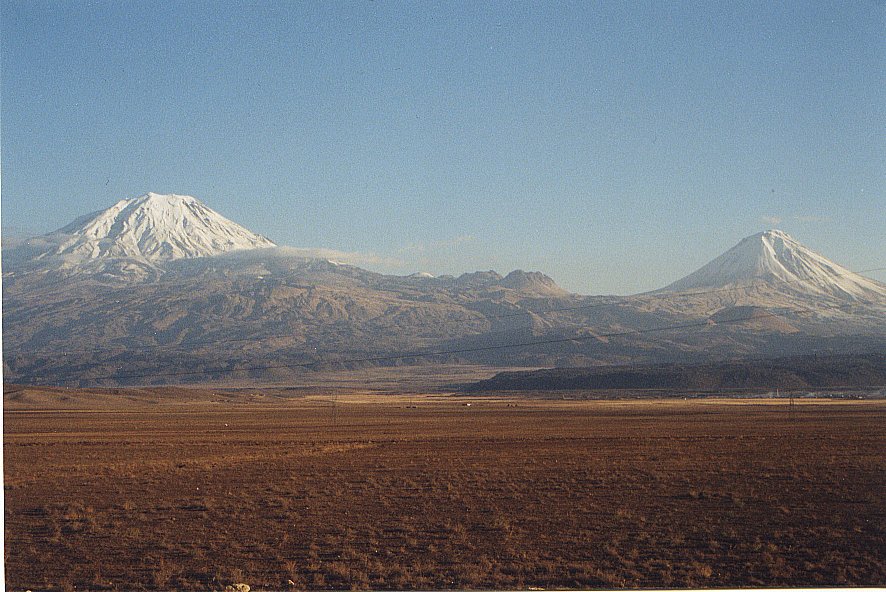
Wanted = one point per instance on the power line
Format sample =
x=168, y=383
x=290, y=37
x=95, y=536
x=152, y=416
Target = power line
x=619, y=300
x=477, y=349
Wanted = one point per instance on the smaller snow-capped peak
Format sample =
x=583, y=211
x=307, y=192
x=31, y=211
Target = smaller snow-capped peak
x=154, y=228
x=776, y=258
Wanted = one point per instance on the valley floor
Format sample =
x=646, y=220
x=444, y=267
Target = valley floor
x=424, y=491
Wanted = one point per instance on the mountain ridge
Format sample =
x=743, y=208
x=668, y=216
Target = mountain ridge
x=151, y=230
x=282, y=307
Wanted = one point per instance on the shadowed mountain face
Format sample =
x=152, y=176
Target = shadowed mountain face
x=162, y=289
x=865, y=372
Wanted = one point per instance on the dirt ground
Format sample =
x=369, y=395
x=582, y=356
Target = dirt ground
x=351, y=492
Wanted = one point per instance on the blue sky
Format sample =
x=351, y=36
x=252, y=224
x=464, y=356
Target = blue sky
x=616, y=146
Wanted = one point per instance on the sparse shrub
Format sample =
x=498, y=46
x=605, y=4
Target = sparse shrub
x=162, y=574
x=702, y=569
x=67, y=585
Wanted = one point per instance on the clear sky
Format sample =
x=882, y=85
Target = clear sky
x=616, y=146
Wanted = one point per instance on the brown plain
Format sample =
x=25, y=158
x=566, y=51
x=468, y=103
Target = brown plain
x=423, y=491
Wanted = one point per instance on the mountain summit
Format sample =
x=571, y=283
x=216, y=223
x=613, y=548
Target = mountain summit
x=776, y=259
x=139, y=233
x=157, y=228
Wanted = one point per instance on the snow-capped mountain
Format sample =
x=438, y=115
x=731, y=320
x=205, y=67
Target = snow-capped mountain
x=167, y=280
x=145, y=230
x=774, y=259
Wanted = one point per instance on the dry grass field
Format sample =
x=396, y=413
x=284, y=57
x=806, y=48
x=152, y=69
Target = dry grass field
x=425, y=492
